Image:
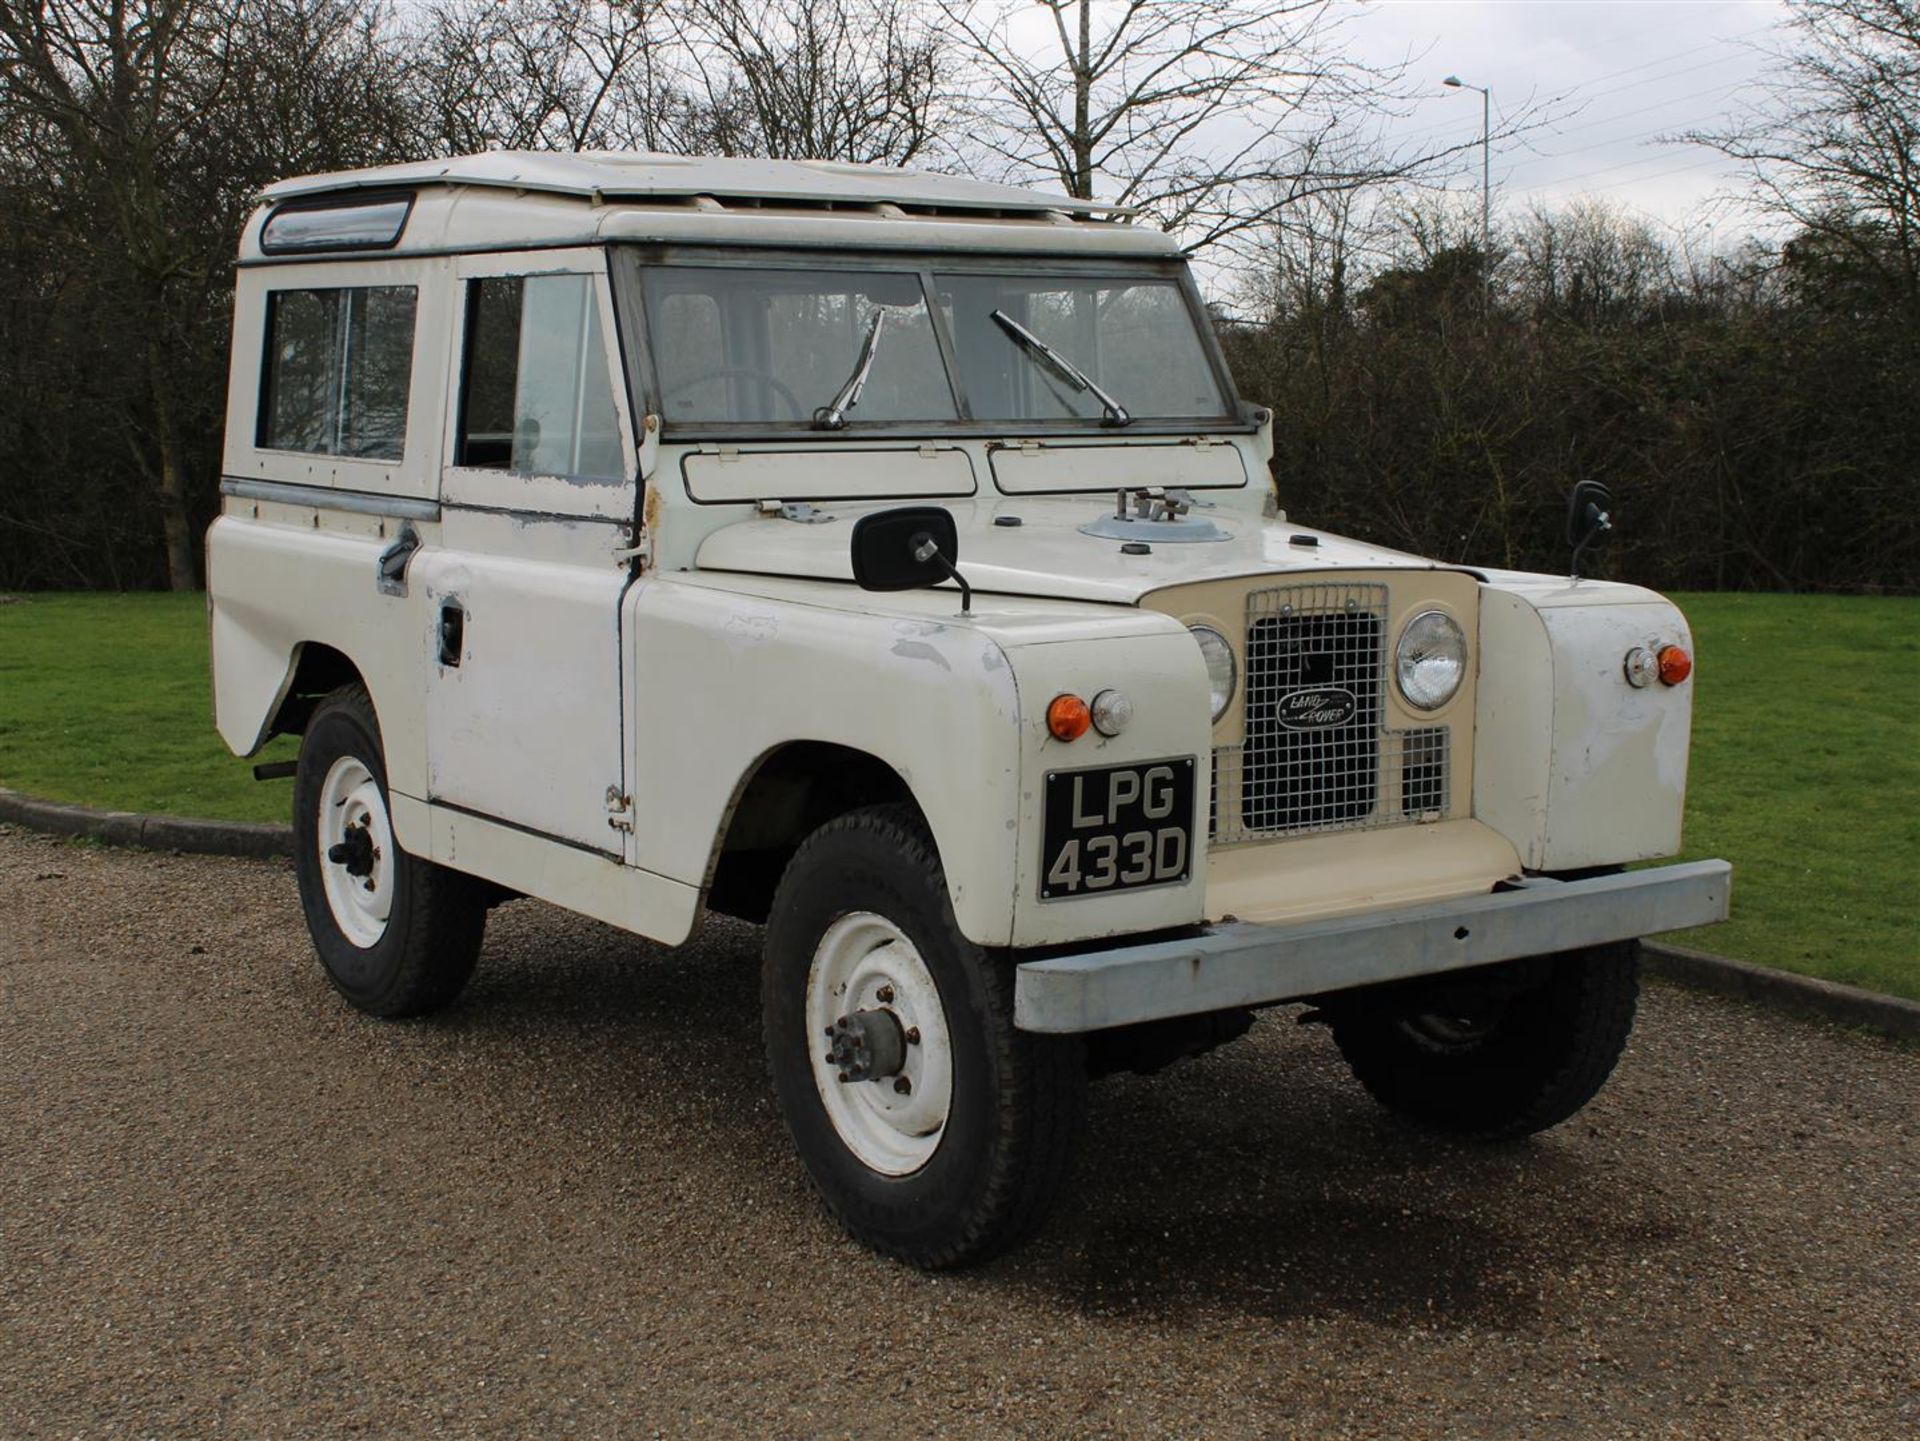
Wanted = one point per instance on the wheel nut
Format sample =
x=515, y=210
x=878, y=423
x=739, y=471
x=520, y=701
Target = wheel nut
x=902, y=1086
x=884, y=995
x=913, y=1035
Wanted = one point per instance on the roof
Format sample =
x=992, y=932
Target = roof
x=610, y=176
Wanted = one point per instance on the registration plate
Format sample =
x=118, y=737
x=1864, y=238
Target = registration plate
x=1117, y=828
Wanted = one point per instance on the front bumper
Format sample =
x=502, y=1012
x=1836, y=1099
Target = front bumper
x=1242, y=964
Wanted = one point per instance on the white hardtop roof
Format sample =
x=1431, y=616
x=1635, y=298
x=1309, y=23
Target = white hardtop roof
x=609, y=176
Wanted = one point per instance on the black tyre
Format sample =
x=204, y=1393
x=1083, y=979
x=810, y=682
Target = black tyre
x=1498, y=1053
x=398, y=936
x=953, y=1132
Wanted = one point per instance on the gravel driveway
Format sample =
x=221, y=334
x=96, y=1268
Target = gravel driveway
x=229, y=1205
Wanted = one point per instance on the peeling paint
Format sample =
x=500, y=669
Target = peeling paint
x=751, y=628
x=920, y=650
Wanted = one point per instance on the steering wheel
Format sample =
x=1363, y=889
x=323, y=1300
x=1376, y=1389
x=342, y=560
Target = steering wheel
x=744, y=372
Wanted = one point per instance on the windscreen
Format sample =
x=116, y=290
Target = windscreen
x=735, y=344
x=833, y=348
x=1135, y=340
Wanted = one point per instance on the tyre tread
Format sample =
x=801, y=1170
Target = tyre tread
x=1594, y=994
x=446, y=915
x=1044, y=1078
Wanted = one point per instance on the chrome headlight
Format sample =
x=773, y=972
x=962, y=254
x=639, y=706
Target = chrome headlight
x=1222, y=673
x=1431, y=660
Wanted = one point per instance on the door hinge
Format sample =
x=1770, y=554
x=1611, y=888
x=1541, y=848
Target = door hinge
x=641, y=550
x=619, y=809
x=798, y=511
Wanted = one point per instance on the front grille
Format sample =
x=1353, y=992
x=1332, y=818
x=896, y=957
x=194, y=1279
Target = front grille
x=1316, y=753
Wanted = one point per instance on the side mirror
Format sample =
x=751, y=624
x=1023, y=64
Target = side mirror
x=908, y=549
x=1589, y=518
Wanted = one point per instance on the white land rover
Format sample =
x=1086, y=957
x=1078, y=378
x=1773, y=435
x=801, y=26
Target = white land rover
x=887, y=558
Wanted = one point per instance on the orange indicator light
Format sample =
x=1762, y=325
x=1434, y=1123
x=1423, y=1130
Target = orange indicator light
x=1068, y=717
x=1675, y=665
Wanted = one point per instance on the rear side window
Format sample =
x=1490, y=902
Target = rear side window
x=367, y=223
x=339, y=368
x=537, y=398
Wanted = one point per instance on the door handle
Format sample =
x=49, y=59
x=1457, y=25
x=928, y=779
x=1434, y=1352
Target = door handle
x=453, y=632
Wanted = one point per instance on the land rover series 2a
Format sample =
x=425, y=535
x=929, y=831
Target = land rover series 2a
x=888, y=559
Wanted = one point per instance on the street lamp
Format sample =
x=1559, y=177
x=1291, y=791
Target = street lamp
x=1486, y=181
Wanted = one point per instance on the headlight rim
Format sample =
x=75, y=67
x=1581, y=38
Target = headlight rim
x=1400, y=665
x=1198, y=628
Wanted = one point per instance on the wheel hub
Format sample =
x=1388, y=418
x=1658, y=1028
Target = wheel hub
x=867, y=1045
x=884, y=1073
x=356, y=850
x=356, y=838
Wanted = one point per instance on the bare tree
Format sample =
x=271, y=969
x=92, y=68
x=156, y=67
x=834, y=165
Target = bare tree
x=104, y=95
x=1591, y=262
x=854, y=80
x=1213, y=116
x=536, y=75
x=1838, y=149
x=135, y=133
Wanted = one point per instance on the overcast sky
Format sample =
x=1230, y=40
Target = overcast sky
x=1624, y=72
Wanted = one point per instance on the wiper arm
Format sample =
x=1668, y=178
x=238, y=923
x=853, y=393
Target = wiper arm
x=833, y=415
x=1116, y=414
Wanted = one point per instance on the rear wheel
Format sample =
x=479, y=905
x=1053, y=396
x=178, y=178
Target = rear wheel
x=397, y=935
x=934, y=1130
x=1496, y=1053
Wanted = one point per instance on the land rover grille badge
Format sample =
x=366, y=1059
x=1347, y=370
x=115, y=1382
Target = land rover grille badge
x=1316, y=708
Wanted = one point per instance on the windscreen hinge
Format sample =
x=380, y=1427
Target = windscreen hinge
x=641, y=550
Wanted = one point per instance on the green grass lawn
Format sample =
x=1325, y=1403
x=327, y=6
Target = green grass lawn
x=104, y=699
x=1806, y=775
x=1806, y=761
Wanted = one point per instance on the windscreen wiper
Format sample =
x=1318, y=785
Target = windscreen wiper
x=833, y=415
x=1116, y=413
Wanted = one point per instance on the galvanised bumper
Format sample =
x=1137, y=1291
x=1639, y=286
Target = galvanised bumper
x=1241, y=964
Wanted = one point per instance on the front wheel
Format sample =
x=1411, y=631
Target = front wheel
x=934, y=1130
x=1497, y=1053
x=397, y=935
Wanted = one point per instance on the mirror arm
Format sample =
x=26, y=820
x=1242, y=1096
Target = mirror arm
x=925, y=550
x=1599, y=522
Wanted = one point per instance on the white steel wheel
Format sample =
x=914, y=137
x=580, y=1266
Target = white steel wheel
x=953, y=1129
x=877, y=1033
x=356, y=850
x=397, y=935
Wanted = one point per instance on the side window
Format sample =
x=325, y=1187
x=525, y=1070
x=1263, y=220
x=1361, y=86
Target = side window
x=338, y=371
x=537, y=398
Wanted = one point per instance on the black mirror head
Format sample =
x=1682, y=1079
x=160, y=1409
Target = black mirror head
x=1589, y=514
x=890, y=548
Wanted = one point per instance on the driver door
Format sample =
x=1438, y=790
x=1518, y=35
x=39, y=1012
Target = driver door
x=539, y=495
